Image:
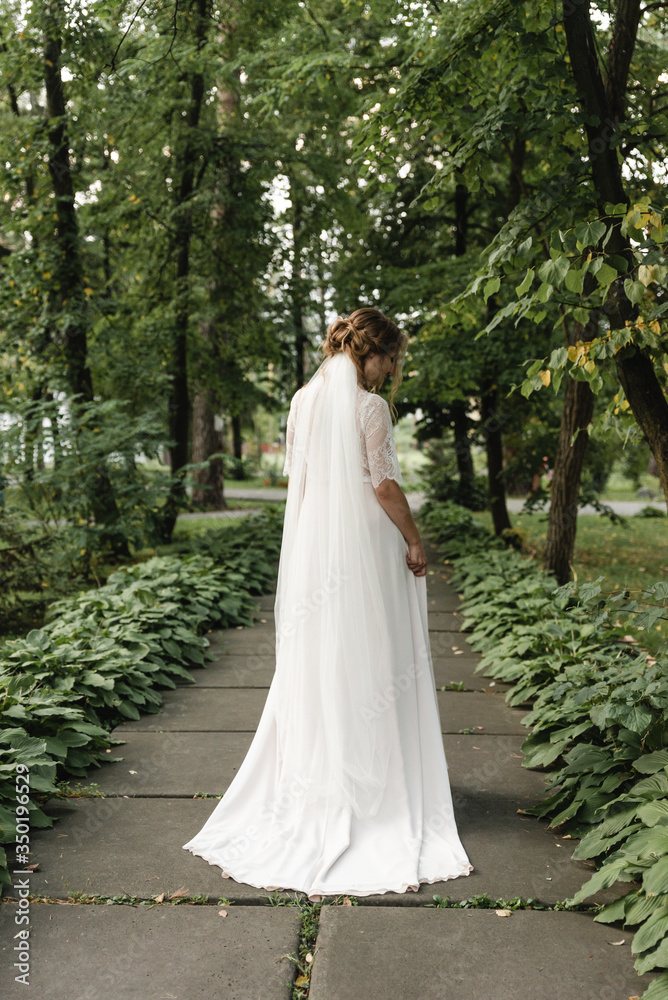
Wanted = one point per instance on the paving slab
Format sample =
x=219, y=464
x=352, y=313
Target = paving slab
x=439, y=619
x=443, y=621
x=242, y=670
x=257, y=640
x=234, y=709
x=442, y=599
x=88, y=952
x=487, y=713
x=446, y=643
x=260, y=640
x=201, y=709
x=250, y=670
x=461, y=669
x=175, y=764
x=134, y=847
x=446, y=954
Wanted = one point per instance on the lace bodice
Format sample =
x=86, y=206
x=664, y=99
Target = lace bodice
x=379, y=454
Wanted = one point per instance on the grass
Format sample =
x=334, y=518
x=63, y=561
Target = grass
x=620, y=488
x=631, y=555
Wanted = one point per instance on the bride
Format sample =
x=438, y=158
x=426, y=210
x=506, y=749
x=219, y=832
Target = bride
x=345, y=788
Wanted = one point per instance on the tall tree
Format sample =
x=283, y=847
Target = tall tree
x=602, y=84
x=68, y=288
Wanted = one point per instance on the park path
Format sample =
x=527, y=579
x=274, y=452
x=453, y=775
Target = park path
x=393, y=946
x=625, y=508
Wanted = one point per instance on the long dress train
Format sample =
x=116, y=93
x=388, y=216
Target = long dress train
x=345, y=787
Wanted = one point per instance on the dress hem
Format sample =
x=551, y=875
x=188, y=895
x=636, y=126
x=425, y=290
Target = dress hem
x=316, y=897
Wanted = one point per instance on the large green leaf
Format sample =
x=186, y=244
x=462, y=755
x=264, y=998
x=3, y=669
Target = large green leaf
x=655, y=880
x=602, y=879
x=657, y=989
x=656, y=959
x=589, y=233
x=553, y=272
x=640, y=907
x=652, y=930
x=654, y=812
x=652, y=762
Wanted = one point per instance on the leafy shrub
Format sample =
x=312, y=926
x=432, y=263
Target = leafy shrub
x=456, y=529
x=32, y=567
x=650, y=511
x=104, y=655
x=598, y=715
x=442, y=480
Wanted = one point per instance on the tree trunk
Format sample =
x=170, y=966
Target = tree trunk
x=463, y=456
x=69, y=284
x=604, y=104
x=494, y=448
x=207, y=441
x=297, y=285
x=179, y=400
x=237, y=438
x=567, y=472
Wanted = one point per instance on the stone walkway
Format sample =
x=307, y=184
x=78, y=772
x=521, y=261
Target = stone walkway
x=393, y=946
x=626, y=508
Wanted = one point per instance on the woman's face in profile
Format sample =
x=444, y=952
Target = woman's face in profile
x=378, y=366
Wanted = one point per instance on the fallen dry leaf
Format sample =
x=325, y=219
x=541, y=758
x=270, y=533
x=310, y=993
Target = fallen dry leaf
x=31, y=868
x=346, y=901
x=503, y=913
x=179, y=893
x=159, y=898
x=623, y=941
x=308, y=958
x=222, y=913
x=301, y=981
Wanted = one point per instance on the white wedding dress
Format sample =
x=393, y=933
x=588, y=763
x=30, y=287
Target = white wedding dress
x=344, y=789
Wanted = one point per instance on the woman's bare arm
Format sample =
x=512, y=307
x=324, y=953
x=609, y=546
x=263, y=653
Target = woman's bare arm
x=393, y=500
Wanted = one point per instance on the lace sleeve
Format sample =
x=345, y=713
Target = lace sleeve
x=290, y=434
x=379, y=439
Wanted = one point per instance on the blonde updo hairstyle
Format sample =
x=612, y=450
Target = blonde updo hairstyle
x=364, y=333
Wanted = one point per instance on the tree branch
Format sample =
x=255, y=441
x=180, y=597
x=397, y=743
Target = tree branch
x=620, y=52
x=112, y=64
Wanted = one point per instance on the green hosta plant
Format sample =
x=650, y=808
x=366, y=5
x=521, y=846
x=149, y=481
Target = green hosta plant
x=596, y=678
x=104, y=655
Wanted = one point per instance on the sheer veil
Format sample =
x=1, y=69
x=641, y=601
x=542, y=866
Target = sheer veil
x=331, y=636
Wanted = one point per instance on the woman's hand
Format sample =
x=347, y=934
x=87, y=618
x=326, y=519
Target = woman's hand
x=416, y=558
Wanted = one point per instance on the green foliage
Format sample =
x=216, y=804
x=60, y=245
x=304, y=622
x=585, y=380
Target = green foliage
x=444, y=483
x=455, y=529
x=105, y=654
x=650, y=511
x=598, y=713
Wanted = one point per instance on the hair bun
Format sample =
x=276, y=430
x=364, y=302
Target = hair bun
x=341, y=331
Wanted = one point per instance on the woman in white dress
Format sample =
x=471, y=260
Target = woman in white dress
x=345, y=788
